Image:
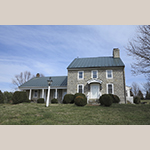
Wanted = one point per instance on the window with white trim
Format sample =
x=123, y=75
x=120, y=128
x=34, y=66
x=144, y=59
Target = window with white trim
x=110, y=89
x=80, y=88
x=109, y=74
x=94, y=74
x=80, y=75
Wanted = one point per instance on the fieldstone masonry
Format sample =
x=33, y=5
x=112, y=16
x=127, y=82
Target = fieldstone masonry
x=117, y=81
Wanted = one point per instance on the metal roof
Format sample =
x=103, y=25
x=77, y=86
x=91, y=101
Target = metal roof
x=94, y=62
x=58, y=81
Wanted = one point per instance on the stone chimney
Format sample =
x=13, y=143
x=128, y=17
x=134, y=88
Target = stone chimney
x=37, y=75
x=116, y=53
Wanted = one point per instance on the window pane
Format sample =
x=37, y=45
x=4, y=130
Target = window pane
x=109, y=89
x=80, y=88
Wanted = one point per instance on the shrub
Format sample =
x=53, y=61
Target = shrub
x=40, y=100
x=1, y=97
x=137, y=100
x=101, y=100
x=68, y=98
x=54, y=101
x=115, y=98
x=80, y=101
x=79, y=94
x=106, y=100
x=20, y=97
x=8, y=97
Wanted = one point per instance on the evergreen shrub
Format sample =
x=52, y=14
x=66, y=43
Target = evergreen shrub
x=115, y=98
x=106, y=100
x=137, y=100
x=68, y=98
x=54, y=101
x=79, y=94
x=80, y=101
x=40, y=100
x=20, y=97
x=1, y=97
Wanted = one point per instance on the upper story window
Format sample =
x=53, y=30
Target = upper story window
x=94, y=74
x=109, y=74
x=80, y=75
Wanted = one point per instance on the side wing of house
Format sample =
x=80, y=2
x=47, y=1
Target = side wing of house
x=38, y=88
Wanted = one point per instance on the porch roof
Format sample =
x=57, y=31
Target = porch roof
x=58, y=81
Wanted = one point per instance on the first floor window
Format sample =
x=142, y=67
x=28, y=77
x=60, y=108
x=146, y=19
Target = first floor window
x=110, y=88
x=80, y=88
x=35, y=93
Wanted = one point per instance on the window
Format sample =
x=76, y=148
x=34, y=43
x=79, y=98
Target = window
x=80, y=88
x=80, y=75
x=109, y=74
x=110, y=88
x=94, y=74
x=35, y=93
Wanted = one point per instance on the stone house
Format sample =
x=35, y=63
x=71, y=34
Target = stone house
x=92, y=76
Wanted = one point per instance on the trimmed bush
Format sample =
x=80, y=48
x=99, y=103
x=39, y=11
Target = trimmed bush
x=54, y=101
x=1, y=97
x=40, y=100
x=106, y=100
x=115, y=98
x=101, y=100
x=68, y=98
x=137, y=100
x=20, y=97
x=80, y=101
x=79, y=94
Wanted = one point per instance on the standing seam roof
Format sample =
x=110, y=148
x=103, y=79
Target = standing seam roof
x=96, y=62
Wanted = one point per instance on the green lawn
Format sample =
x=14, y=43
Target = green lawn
x=69, y=114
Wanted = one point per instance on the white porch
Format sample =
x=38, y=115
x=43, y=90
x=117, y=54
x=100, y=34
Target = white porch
x=36, y=93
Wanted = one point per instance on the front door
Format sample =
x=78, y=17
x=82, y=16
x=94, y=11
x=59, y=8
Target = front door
x=95, y=91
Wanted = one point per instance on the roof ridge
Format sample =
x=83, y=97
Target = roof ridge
x=95, y=57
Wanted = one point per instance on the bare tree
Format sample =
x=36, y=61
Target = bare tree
x=139, y=48
x=22, y=78
x=135, y=88
x=146, y=87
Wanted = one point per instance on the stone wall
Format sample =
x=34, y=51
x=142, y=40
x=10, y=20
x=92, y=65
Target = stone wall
x=117, y=81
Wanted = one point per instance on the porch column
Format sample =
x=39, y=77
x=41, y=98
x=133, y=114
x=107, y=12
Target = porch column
x=30, y=94
x=55, y=93
x=128, y=91
x=42, y=93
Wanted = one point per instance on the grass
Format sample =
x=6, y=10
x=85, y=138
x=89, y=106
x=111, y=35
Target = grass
x=70, y=114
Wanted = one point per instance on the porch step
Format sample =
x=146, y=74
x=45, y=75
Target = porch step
x=93, y=101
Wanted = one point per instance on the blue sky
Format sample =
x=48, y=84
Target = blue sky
x=49, y=49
